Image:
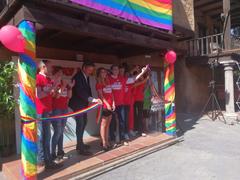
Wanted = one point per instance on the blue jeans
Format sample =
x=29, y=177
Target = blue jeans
x=44, y=136
x=126, y=117
x=58, y=128
x=122, y=121
x=40, y=156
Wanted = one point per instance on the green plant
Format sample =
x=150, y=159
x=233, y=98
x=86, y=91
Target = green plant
x=7, y=107
x=7, y=102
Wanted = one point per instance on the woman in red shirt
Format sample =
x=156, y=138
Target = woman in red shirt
x=60, y=106
x=104, y=90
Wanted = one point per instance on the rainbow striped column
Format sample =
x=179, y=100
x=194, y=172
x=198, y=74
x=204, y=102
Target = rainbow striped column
x=27, y=75
x=169, y=95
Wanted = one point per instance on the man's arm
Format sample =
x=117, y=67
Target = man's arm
x=144, y=69
x=131, y=80
x=141, y=82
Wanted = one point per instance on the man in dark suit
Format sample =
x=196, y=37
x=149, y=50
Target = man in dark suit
x=81, y=97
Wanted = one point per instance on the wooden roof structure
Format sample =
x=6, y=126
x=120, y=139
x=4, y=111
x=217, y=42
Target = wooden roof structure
x=65, y=25
x=214, y=8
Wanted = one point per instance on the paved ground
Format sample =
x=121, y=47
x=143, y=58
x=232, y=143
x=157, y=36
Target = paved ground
x=211, y=150
x=1, y=176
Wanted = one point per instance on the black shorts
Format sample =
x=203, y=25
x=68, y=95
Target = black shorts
x=106, y=113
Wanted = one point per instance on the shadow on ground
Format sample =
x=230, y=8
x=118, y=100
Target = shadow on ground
x=186, y=122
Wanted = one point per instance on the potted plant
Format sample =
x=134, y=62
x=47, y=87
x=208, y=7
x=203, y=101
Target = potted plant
x=7, y=108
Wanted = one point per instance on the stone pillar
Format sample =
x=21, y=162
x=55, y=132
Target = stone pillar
x=229, y=88
x=229, y=92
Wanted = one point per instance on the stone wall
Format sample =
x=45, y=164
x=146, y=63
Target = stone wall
x=183, y=14
x=191, y=82
x=192, y=89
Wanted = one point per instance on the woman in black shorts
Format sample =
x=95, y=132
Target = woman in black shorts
x=104, y=90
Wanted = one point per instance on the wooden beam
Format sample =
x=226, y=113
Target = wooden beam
x=9, y=12
x=211, y=7
x=203, y=3
x=60, y=54
x=67, y=24
x=227, y=35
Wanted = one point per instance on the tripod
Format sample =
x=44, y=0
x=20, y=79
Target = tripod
x=215, y=111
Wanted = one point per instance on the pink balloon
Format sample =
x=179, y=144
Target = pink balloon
x=171, y=57
x=12, y=38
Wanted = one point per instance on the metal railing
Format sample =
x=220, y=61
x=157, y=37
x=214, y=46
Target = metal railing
x=205, y=45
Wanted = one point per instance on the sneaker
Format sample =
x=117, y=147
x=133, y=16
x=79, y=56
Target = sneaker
x=115, y=146
x=125, y=143
x=126, y=137
x=144, y=134
x=64, y=157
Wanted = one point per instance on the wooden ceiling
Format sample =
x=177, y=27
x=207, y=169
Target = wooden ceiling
x=64, y=40
x=214, y=8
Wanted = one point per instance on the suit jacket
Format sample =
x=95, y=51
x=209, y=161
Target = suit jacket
x=81, y=91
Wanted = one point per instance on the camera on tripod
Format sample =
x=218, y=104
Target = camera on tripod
x=211, y=84
x=213, y=63
x=215, y=110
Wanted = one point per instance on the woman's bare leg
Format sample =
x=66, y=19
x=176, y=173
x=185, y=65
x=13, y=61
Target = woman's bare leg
x=103, y=130
x=107, y=129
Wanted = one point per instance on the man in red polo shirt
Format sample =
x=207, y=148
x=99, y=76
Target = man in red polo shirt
x=44, y=89
x=119, y=84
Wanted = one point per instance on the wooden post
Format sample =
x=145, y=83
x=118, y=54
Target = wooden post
x=227, y=31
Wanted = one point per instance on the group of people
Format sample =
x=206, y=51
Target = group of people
x=122, y=96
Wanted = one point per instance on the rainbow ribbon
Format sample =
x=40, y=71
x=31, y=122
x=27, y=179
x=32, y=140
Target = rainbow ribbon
x=67, y=115
x=169, y=95
x=27, y=75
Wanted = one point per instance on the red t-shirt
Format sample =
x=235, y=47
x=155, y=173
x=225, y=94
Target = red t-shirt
x=139, y=92
x=107, y=93
x=118, y=88
x=43, y=104
x=61, y=102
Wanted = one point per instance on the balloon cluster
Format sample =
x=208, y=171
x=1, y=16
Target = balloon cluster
x=170, y=57
x=12, y=38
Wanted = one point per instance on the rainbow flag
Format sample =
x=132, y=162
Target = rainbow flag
x=169, y=95
x=155, y=13
x=27, y=70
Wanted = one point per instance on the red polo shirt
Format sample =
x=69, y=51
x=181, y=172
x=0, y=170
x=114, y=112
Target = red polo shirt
x=61, y=102
x=107, y=93
x=139, y=92
x=118, y=88
x=43, y=104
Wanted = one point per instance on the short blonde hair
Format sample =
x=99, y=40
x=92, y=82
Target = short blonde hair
x=42, y=63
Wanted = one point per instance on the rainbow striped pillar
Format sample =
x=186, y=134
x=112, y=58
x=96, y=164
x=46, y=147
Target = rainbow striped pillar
x=169, y=95
x=27, y=75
